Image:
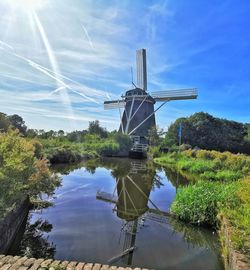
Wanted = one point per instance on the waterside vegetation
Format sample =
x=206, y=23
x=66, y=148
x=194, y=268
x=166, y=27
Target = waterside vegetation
x=62, y=147
x=219, y=186
x=26, y=156
x=23, y=172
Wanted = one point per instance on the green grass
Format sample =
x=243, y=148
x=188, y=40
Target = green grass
x=208, y=165
x=200, y=203
x=221, y=187
x=239, y=217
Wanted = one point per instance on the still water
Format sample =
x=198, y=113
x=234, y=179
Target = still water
x=115, y=212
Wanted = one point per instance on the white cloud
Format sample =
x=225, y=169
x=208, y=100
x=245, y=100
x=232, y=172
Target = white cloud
x=92, y=44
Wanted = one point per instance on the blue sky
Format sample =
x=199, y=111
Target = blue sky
x=60, y=59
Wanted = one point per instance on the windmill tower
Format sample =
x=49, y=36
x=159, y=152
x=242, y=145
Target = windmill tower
x=139, y=111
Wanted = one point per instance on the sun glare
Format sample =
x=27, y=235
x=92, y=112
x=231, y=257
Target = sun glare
x=27, y=5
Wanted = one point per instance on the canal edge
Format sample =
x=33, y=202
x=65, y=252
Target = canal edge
x=24, y=263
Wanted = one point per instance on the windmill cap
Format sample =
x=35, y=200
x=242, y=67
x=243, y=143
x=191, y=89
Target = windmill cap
x=136, y=91
x=139, y=94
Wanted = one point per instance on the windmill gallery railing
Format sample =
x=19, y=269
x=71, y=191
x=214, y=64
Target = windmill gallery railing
x=139, y=147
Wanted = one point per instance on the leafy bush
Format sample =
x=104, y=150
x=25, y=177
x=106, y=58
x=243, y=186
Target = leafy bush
x=184, y=147
x=154, y=152
x=21, y=173
x=124, y=141
x=108, y=148
x=64, y=155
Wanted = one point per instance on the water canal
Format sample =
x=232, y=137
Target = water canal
x=114, y=207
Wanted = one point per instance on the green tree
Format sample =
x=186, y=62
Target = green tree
x=208, y=132
x=17, y=122
x=154, y=136
x=4, y=122
x=76, y=136
x=95, y=128
x=60, y=133
x=248, y=132
x=31, y=133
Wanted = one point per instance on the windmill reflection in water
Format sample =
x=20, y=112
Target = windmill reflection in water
x=131, y=205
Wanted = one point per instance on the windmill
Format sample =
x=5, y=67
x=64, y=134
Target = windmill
x=133, y=205
x=139, y=111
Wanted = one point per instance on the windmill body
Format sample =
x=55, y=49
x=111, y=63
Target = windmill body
x=139, y=106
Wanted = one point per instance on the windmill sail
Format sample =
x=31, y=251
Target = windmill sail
x=141, y=65
x=114, y=104
x=175, y=94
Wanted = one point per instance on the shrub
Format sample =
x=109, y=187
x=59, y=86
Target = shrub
x=124, y=141
x=185, y=147
x=21, y=173
x=108, y=148
x=154, y=152
x=64, y=155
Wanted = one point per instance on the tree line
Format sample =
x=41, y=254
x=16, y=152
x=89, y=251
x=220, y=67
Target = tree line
x=15, y=121
x=199, y=130
x=208, y=132
x=66, y=147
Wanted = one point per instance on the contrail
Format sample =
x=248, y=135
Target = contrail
x=19, y=78
x=46, y=43
x=65, y=87
x=48, y=73
x=64, y=96
x=69, y=191
x=108, y=96
x=58, y=80
x=56, y=90
x=62, y=84
x=87, y=35
x=70, y=80
x=33, y=27
x=6, y=45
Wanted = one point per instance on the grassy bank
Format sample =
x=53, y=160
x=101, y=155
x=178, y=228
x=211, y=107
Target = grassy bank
x=69, y=147
x=62, y=150
x=221, y=187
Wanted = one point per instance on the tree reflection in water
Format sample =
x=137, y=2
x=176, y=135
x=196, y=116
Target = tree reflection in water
x=34, y=242
x=195, y=236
